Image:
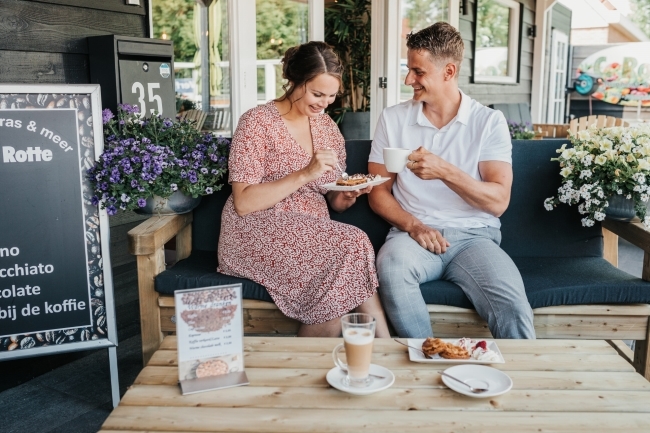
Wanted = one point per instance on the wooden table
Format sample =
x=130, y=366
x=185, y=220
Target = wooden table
x=559, y=386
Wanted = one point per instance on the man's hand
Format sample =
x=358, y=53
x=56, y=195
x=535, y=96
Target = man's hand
x=429, y=239
x=426, y=165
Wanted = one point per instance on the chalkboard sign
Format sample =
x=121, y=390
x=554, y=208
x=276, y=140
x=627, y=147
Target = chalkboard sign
x=56, y=289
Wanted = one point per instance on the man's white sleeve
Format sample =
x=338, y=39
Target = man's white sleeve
x=497, y=145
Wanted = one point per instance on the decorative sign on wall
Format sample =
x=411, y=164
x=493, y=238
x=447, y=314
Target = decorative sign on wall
x=624, y=71
x=210, y=330
x=55, y=275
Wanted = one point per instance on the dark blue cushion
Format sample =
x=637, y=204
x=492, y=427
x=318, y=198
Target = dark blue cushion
x=553, y=281
x=200, y=270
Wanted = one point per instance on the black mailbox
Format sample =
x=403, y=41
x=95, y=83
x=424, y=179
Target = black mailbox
x=137, y=71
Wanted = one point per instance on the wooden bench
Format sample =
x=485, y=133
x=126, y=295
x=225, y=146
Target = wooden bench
x=609, y=322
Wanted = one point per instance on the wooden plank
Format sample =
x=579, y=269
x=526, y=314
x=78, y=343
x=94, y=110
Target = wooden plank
x=420, y=378
x=52, y=28
x=610, y=247
x=148, y=267
x=184, y=243
x=541, y=362
x=587, y=310
x=633, y=232
x=105, y=5
x=50, y=68
x=155, y=418
x=154, y=233
x=623, y=350
x=393, y=399
x=642, y=355
x=387, y=345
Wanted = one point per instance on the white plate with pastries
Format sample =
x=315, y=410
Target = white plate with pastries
x=378, y=180
x=491, y=354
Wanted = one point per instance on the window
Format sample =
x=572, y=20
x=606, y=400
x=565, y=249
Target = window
x=201, y=48
x=497, y=41
x=280, y=24
x=416, y=15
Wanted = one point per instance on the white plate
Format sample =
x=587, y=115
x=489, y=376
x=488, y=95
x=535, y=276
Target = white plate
x=482, y=376
x=332, y=186
x=335, y=378
x=417, y=356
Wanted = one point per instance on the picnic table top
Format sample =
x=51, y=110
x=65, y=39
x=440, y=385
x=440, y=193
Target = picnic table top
x=559, y=385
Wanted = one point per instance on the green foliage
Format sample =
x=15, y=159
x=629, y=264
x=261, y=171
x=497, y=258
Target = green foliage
x=347, y=29
x=424, y=13
x=641, y=14
x=175, y=18
x=493, y=23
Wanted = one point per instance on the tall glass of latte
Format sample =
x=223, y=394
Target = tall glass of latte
x=358, y=335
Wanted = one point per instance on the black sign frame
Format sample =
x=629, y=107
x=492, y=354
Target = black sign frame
x=101, y=332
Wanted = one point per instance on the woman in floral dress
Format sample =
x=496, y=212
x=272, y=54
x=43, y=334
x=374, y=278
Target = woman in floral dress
x=276, y=228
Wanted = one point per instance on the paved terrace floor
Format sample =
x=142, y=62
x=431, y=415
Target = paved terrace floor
x=70, y=393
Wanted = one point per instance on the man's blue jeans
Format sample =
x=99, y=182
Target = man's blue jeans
x=474, y=261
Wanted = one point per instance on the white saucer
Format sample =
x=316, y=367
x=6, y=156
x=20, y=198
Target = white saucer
x=335, y=378
x=478, y=376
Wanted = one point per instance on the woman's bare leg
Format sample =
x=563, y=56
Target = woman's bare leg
x=331, y=328
x=373, y=307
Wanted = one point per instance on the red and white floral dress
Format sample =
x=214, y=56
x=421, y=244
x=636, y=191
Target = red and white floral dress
x=315, y=269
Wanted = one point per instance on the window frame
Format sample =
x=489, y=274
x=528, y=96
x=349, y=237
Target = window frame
x=514, y=36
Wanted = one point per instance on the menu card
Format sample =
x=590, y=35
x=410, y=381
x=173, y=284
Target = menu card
x=209, y=330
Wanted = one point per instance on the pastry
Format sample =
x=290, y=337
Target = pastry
x=357, y=179
x=433, y=346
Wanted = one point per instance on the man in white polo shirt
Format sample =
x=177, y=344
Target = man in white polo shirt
x=445, y=205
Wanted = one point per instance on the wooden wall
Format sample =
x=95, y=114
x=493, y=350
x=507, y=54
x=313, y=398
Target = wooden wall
x=498, y=93
x=44, y=41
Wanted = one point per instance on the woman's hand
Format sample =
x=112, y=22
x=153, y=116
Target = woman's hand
x=352, y=195
x=322, y=161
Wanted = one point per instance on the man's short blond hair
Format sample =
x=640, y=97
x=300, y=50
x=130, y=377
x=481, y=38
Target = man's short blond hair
x=441, y=40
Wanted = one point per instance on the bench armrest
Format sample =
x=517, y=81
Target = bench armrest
x=147, y=242
x=635, y=233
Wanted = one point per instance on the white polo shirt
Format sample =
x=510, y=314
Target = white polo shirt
x=476, y=134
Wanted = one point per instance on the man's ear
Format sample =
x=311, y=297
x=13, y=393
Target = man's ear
x=450, y=71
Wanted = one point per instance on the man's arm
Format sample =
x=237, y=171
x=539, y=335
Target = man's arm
x=491, y=194
x=384, y=204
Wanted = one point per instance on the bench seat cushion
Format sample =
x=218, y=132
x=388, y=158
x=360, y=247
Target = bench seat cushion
x=552, y=281
x=548, y=281
x=199, y=270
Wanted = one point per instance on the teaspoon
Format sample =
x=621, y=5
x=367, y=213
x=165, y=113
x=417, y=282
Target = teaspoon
x=476, y=390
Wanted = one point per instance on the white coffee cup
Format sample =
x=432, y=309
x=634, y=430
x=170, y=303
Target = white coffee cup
x=395, y=158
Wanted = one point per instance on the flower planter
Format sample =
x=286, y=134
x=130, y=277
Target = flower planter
x=620, y=208
x=177, y=203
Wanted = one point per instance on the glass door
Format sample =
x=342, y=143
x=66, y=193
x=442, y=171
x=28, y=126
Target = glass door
x=557, y=77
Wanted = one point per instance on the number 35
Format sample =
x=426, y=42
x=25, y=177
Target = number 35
x=139, y=89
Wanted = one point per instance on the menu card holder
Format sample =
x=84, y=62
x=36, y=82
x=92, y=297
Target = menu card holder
x=209, y=330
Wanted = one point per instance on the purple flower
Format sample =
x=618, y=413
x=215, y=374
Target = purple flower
x=135, y=183
x=193, y=178
x=107, y=115
x=94, y=200
x=204, y=170
x=111, y=210
x=168, y=123
x=142, y=202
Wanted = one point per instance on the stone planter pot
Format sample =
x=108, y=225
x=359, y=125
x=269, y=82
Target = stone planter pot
x=355, y=125
x=620, y=208
x=177, y=203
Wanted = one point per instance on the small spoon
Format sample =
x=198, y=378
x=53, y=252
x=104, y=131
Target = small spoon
x=415, y=348
x=344, y=175
x=471, y=388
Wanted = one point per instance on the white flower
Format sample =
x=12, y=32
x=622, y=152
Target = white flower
x=585, y=174
x=568, y=154
x=619, y=191
x=637, y=188
x=566, y=171
x=125, y=198
x=626, y=147
x=600, y=193
x=644, y=164
x=646, y=221
x=582, y=209
x=548, y=203
x=606, y=144
x=587, y=160
x=586, y=222
x=644, y=197
x=173, y=186
x=630, y=158
x=584, y=134
x=599, y=216
x=629, y=196
x=600, y=160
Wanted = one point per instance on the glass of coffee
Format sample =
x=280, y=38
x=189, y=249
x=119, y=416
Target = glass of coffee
x=358, y=335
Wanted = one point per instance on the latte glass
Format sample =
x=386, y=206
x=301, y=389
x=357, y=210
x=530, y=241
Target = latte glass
x=358, y=336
